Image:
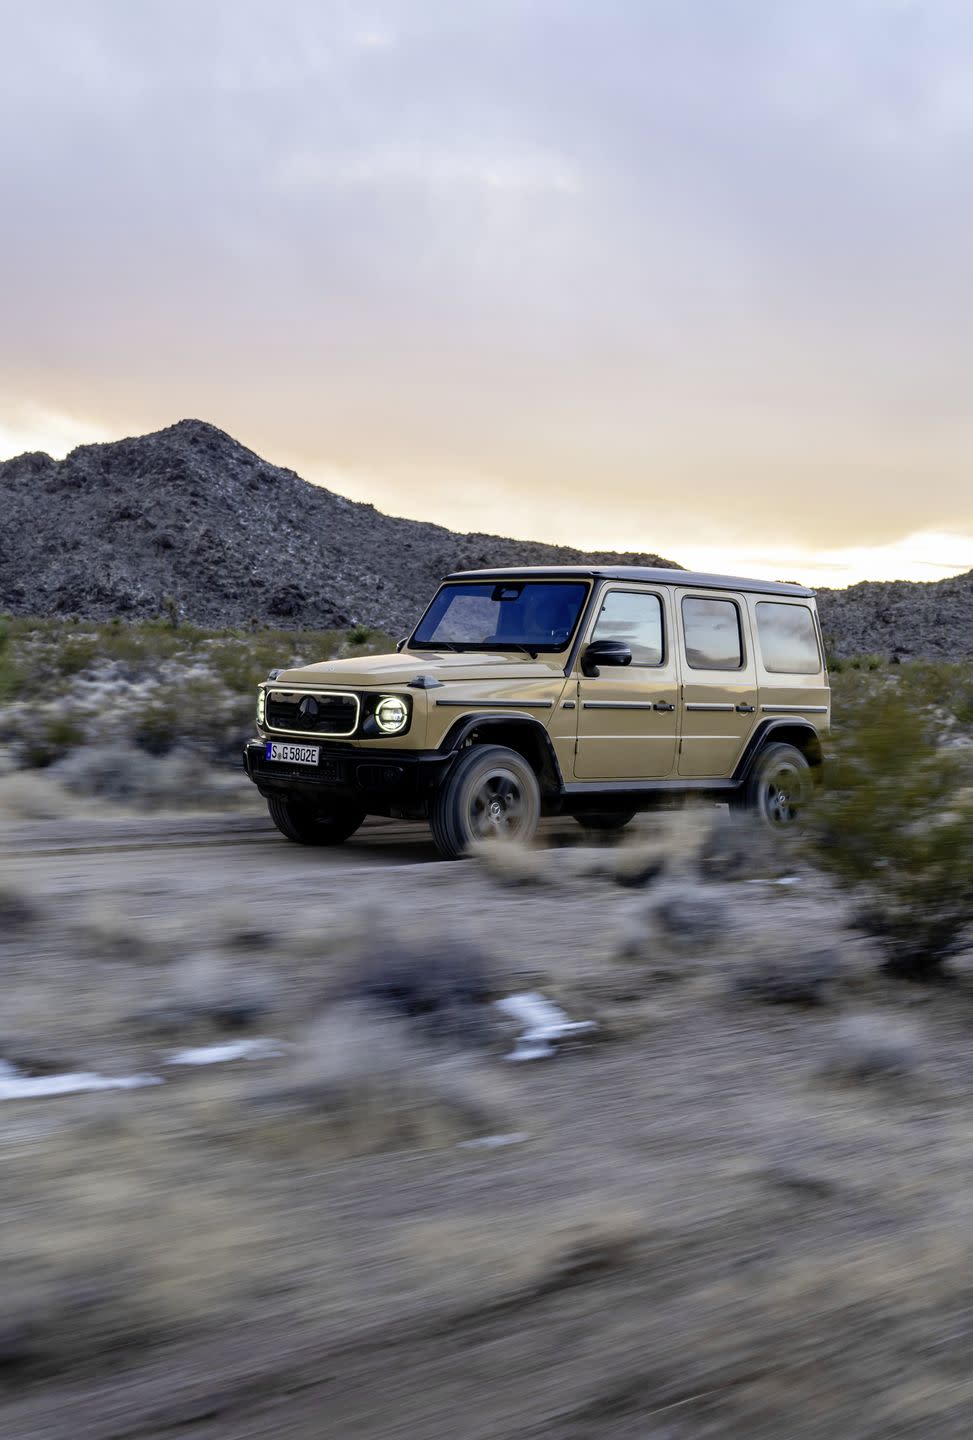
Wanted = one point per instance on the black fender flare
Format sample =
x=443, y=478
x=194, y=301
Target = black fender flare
x=765, y=731
x=458, y=734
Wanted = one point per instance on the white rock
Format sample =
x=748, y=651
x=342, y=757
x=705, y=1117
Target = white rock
x=15, y=1086
x=546, y=1024
x=258, y=1049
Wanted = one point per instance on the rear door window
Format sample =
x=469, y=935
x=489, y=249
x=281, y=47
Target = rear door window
x=788, y=640
x=714, y=640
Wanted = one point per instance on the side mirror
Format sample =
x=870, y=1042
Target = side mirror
x=400, y=645
x=604, y=652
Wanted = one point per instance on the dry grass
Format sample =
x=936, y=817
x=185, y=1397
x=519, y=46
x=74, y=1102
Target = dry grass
x=206, y=994
x=361, y=1082
x=115, y=1244
x=525, y=1253
x=107, y=930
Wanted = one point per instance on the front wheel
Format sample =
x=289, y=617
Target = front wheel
x=309, y=823
x=778, y=787
x=491, y=793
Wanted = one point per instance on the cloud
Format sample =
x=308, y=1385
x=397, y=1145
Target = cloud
x=26, y=427
x=691, y=274
x=435, y=168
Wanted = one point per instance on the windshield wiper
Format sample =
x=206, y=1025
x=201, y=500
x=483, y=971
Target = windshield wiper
x=514, y=645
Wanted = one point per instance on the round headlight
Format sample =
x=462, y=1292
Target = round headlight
x=261, y=705
x=391, y=714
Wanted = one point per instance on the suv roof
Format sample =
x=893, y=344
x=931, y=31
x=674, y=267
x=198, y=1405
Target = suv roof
x=637, y=572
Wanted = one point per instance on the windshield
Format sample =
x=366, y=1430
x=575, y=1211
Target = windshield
x=534, y=615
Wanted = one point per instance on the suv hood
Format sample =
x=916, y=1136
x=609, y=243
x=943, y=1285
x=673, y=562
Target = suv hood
x=443, y=665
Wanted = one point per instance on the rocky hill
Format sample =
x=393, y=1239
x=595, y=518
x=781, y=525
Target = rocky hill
x=932, y=619
x=188, y=515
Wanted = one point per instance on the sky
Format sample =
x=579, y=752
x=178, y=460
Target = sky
x=685, y=276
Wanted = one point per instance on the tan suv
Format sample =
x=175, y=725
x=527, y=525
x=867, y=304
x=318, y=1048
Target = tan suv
x=593, y=692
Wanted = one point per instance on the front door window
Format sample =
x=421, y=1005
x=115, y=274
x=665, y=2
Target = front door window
x=636, y=619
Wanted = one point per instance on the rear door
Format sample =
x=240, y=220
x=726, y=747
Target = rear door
x=627, y=716
x=719, y=681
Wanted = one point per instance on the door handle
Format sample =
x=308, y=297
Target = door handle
x=746, y=709
x=663, y=705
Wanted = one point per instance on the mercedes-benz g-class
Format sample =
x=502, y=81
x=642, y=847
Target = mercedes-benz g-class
x=595, y=692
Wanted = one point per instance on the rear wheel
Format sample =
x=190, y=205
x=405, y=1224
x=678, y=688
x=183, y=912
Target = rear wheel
x=307, y=822
x=605, y=822
x=778, y=787
x=491, y=793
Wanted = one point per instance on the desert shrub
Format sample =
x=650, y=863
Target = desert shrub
x=362, y=1082
x=116, y=773
x=120, y=773
x=53, y=737
x=212, y=715
x=197, y=709
x=895, y=827
x=239, y=665
x=948, y=687
x=870, y=1047
x=158, y=725
x=942, y=688
x=443, y=987
x=78, y=652
x=789, y=977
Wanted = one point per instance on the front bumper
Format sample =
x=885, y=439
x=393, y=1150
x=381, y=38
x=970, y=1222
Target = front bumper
x=375, y=779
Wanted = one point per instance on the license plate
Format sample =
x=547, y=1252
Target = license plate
x=292, y=754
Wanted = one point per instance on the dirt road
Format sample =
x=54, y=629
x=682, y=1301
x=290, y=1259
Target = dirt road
x=228, y=841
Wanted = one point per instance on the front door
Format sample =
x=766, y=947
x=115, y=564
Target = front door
x=627, y=715
x=719, y=691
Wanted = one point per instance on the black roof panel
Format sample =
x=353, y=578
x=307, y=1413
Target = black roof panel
x=644, y=573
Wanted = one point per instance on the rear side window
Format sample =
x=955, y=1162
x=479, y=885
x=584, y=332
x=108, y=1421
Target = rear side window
x=788, y=641
x=712, y=630
x=636, y=619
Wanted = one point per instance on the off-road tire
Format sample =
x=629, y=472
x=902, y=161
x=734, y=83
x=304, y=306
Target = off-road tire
x=606, y=822
x=490, y=793
x=777, y=788
x=306, y=823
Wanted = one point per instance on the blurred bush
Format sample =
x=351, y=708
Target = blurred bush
x=54, y=736
x=895, y=823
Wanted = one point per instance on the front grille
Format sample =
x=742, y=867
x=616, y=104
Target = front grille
x=328, y=772
x=299, y=712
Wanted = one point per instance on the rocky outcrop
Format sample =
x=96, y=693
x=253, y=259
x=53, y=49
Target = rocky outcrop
x=932, y=620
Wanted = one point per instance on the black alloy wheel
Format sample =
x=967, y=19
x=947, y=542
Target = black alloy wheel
x=491, y=793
